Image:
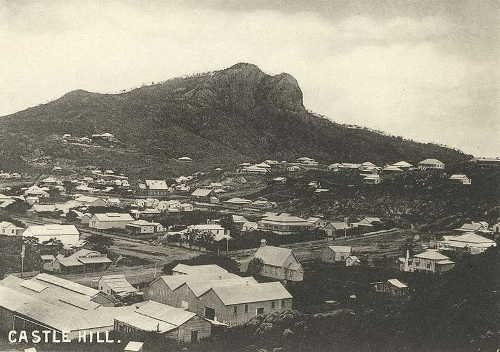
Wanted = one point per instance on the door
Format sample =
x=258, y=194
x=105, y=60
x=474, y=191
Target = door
x=194, y=336
x=209, y=313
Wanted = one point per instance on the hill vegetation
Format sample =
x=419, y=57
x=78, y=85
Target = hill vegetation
x=239, y=113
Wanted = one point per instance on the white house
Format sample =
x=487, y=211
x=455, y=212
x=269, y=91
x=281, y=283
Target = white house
x=470, y=242
x=110, y=221
x=335, y=254
x=431, y=164
x=9, y=229
x=67, y=234
x=460, y=178
x=217, y=230
x=144, y=227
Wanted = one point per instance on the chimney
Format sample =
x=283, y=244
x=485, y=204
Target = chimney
x=263, y=242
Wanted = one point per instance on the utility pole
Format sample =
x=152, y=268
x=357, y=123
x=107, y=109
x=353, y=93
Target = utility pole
x=22, y=259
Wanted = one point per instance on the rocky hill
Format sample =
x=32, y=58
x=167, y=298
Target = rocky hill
x=239, y=113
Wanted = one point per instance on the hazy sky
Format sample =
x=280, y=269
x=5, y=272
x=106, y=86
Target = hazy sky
x=426, y=70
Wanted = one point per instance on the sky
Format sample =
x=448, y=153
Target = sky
x=425, y=70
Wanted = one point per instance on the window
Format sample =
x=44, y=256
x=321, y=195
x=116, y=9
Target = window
x=209, y=313
x=235, y=310
x=246, y=308
x=428, y=265
x=260, y=311
x=273, y=304
x=283, y=303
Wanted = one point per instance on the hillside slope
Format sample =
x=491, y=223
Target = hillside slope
x=239, y=113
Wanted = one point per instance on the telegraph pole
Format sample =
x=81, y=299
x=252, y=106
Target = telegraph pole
x=22, y=259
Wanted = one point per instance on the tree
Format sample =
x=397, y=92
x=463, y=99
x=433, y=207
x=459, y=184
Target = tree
x=99, y=243
x=255, y=266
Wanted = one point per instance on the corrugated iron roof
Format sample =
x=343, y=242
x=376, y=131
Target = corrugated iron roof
x=260, y=292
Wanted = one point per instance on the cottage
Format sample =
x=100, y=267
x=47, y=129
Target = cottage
x=403, y=165
x=160, y=323
x=391, y=169
x=237, y=304
x=144, y=227
x=430, y=261
x=372, y=179
x=277, y=263
x=67, y=234
x=201, y=194
x=461, y=179
x=468, y=242
x=392, y=287
x=239, y=202
x=47, y=262
x=474, y=227
x=116, y=285
x=431, y=164
x=337, y=229
x=335, y=254
x=284, y=224
x=110, y=221
x=9, y=229
x=255, y=170
x=82, y=261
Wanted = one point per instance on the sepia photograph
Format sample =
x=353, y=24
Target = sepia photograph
x=249, y=176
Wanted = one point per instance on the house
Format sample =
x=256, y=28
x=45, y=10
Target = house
x=9, y=229
x=202, y=194
x=279, y=180
x=82, y=261
x=255, y=170
x=157, y=188
x=144, y=227
x=240, y=202
x=391, y=169
x=430, y=261
x=392, y=287
x=335, y=167
x=47, y=262
x=431, y=164
x=110, y=221
x=184, y=269
x=237, y=304
x=116, y=285
x=337, y=229
x=372, y=179
x=403, y=165
x=89, y=201
x=67, y=234
x=468, y=242
x=475, y=227
x=460, y=178
x=284, y=224
x=217, y=230
x=335, y=254
x=46, y=302
x=249, y=226
x=277, y=263
x=159, y=323
x=263, y=204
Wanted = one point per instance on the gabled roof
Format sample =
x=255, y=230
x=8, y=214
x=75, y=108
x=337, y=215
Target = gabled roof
x=431, y=254
x=402, y=164
x=175, y=281
x=342, y=249
x=275, y=256
x=114, y=217
x=248, y=293
x=201, y=192
x=199, y=269
x=471, y=238
x=51, y=230
x=431, y=162
x=397, y=283
x=118, y=283
x=238, y=201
